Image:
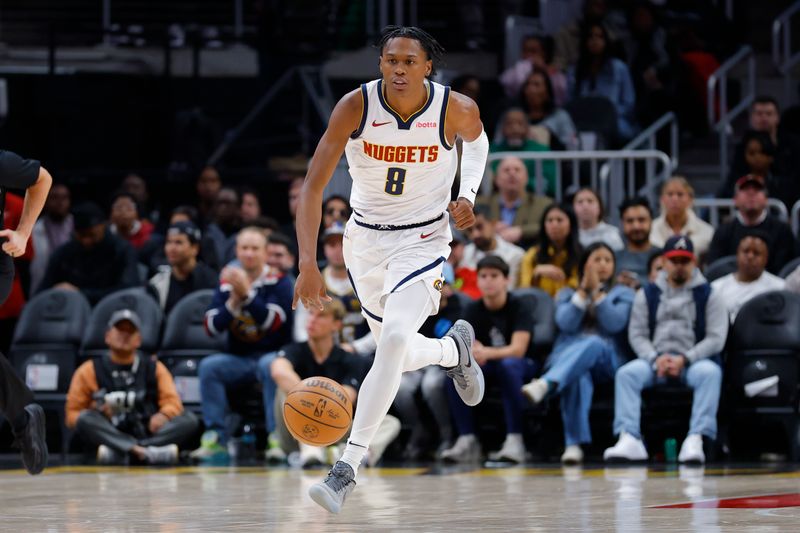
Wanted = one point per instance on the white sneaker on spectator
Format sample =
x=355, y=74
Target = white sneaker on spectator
x=692, y=450
x=627, y=448
x=512, y=451
x=311, y=455
x=109, y=456
x=573, y=455
x=162, y=455
x=536, y=390
x=274, y=452
x=387, y=432
x=466, y=449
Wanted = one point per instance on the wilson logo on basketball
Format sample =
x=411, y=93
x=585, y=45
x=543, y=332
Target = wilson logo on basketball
x=427, y=124
x=327, y=386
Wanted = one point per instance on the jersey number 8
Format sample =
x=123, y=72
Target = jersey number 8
x=395, y=179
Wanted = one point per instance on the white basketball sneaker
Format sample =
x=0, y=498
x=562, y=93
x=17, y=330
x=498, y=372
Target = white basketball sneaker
x=627, y=448
x=692, y=450
x=467, y=374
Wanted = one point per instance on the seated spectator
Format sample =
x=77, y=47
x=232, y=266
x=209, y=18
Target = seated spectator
x=154, y=255
x=250, y=210
x=353, y=329
x=538, y=102
x=465, y=280
x=553, y=263
x=207, y=187
x=678, y=328
x=252, y=307
x=503, y=323
x=429, y=382
x=485, y=241
x=515, y=129
x=225, y=223
x=53, y=229
x=319, y=355
x=646, y=49
x=633, y=260
x=136, y=186
x=752, y=213
x=597, y=73
x=126, y=403
x=654, y=266
x=537, y=52
x=281, y=255
x=516, y=211
x=125, y=221
x=750, y=278
x=568, y=38
x=784, y=152
x=591, y=228
x=95, y=262
x=468, y=85
x=289, y=228
x=592, y=321
x=185, y=274
x=335, y=208
x=678, y=218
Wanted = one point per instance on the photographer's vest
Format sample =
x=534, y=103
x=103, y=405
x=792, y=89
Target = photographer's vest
x=139, y=377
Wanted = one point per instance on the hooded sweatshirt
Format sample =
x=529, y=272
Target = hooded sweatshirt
x=675, y=320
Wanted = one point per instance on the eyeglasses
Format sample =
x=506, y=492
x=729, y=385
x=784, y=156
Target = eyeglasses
x=334, y=211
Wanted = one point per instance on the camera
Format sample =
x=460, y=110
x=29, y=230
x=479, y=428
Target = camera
x=120, y=401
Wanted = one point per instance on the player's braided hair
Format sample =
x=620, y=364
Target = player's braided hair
x=431, y=46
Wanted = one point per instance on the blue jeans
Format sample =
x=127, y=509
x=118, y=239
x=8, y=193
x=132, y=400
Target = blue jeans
x=222, y=370
x=576, y=367
x=704, y=377
x=511, y=372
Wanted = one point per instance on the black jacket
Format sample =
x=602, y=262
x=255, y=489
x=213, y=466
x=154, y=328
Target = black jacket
x=781, y=241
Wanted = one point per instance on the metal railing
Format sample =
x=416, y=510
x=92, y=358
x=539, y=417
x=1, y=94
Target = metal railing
x=782, y=55
x=611, y=187
x=718, y=83
x=716, y=207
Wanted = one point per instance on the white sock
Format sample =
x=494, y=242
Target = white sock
x=449, y=352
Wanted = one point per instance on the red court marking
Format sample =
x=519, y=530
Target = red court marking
x=771, y=501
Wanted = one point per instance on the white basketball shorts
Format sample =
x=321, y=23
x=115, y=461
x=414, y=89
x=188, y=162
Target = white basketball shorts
x=381, y=262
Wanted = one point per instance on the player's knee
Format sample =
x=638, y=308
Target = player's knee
x=394, y=340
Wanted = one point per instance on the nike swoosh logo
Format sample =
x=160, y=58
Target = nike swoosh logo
x=423, y=236
x=376, y=124
x=473, y=191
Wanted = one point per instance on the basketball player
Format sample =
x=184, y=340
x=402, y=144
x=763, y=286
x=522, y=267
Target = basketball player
x=398, y=133
x=26, y=418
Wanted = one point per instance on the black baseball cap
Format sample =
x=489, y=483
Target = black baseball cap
x=87, y=215
x=679, y=246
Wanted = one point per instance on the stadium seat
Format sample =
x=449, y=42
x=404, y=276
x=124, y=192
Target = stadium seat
x=185, y=342
x=135, y=299
x=763, y=363
x=595, y=114
x=721, y=267
x=543, y=334
x=789, y=267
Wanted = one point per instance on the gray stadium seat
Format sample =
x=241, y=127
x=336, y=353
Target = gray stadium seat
x=185, y=342
x=544, y=319
x=135, y=299
x=789, y=267
x=596, y=114
x=721, y=267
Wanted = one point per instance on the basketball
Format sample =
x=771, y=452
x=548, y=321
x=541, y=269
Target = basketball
x=318, y=411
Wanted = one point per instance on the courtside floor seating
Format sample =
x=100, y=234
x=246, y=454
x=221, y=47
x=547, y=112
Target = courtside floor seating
x=763, y=364
x=186, y=342
x=135, y=299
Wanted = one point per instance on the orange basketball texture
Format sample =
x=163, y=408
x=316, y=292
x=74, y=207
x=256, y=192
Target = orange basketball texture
x=317, y=411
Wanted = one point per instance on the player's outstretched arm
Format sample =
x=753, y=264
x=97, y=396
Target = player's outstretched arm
x=463, y=120
x=310, y=287
x=35, y=197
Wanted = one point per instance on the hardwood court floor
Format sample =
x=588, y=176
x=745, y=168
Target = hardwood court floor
x=93, y=499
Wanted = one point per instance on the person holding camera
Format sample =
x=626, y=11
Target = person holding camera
x=126, y=403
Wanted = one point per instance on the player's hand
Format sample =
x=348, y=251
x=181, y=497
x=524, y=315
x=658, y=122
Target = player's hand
x=15, y=242
x=461, y=211
x=157, y=421
x=309, y=290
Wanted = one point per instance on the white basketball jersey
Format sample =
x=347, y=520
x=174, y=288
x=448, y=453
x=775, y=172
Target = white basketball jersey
x=402, y=170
